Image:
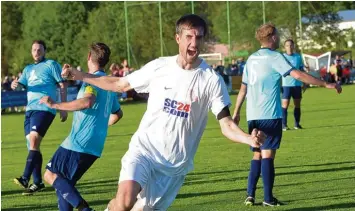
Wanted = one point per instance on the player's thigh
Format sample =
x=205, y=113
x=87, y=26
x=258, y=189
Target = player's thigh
x=160, y=191
x=286, y=93
x=84, y=163
x=135, y=172
x=297, y=96
x=64, y=163
x=40, y=121
x=273, y=131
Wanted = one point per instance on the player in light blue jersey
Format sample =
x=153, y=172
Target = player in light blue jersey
x=261, y=85
x=94, y=110
x=40, y=79
x=292, y=87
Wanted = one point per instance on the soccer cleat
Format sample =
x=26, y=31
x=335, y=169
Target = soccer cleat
x=33, y=189
x=284, y=128
x=249, y=201
x=298, y=127
x=274, y=203
x=21, y=182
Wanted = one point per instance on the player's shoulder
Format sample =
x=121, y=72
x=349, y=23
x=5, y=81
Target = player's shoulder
x=51, y=62
x=28, y=67
x=160, y=62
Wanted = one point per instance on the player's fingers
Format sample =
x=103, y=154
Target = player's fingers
x=254, y=132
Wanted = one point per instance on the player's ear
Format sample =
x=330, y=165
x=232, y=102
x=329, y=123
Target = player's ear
x=177, y=38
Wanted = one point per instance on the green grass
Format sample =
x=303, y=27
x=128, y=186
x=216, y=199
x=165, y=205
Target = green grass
x=315, y=167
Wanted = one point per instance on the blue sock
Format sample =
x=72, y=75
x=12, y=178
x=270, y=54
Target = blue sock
x=37, y=175
x=30, y=164
x=284, y=116
x=297, y=114
x=254, y=174
x=63, y=205
x=268, y=174
x=67, y=191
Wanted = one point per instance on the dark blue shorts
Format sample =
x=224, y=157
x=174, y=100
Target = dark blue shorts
x=291, y=91
x=38, y=121
x=69, y=164
x=273, y=130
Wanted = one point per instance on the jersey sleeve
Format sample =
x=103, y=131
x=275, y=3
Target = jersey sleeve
x=281, y=65
x=115, y=104
x=219, y=96
x=245, y=75
x=140, y=79
x=23, y=79
x=56, y=72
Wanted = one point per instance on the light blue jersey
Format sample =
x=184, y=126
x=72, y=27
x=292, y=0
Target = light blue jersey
x=296, y=60
x=41, y=80
x=89, y=129
x=262, y=74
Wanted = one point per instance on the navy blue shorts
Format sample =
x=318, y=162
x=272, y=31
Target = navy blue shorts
x=69, y=164
x=291, y=91
x=273, y=130
x=38, y=121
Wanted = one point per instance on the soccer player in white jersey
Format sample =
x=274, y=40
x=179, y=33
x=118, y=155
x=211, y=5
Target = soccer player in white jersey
x=182, y=89
x=261, y=85
x=292, y=87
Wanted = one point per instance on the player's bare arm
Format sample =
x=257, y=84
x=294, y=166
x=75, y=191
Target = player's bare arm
x=240, y=100
x=63, y=98
x=306, y=78
x=110, y=83
x=80, y=104
x=114, y=118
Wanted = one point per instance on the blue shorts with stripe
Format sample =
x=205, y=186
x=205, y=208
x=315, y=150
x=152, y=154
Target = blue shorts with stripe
x=273, y=130
x=38, y=121
x=69, y=164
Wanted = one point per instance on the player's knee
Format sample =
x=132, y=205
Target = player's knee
x=49, y=177
x=35, y=141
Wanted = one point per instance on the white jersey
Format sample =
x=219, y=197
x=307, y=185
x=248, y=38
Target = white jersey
x=177, y=111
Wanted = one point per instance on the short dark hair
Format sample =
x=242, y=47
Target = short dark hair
x=264, y=32
x=40, y=42
x=289, y=40
x=191, y=21
x=100, y=53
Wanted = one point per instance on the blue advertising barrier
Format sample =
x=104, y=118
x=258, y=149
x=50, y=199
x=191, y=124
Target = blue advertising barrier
x=19, y=98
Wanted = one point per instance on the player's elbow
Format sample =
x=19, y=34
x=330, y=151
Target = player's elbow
x=88, y=103
x=114, y=118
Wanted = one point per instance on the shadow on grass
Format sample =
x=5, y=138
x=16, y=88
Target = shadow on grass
x=345, y=206
x=189, y=195
x=317, y=164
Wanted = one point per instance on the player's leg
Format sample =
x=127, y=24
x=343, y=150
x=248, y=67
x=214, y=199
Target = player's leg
x=297, y=96
x=134, y=175
x=63, y=171
x=273, y=129
x=286, y=96
x=39, y=124
x=255, y=169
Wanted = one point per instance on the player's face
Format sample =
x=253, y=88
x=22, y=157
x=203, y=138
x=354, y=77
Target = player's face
x=289, y=47
x=190, y=41
x=38, y=52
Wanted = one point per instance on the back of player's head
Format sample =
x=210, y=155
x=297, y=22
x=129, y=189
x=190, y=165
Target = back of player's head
x=191, y=21
x=265, y=32
x=40, y=42
x=100, y=53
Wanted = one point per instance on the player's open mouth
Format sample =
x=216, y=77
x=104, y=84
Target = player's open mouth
x=191, y=52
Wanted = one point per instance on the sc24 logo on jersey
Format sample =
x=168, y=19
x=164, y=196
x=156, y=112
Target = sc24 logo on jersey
x=176, y=108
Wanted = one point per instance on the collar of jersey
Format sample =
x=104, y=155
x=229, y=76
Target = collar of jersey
x=98, y=71
x=266, y=48
x=43, y=60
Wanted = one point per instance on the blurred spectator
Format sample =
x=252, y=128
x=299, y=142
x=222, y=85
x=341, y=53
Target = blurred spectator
x=115, y=70
x=241, y=63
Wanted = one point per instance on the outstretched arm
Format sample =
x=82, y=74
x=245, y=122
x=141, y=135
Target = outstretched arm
x=80, y=104
x=110, y=83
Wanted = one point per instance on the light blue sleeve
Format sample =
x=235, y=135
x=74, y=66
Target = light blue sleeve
x=301, y=63
x=115, y=104
x=281, y=65
x=23, y=79
x=245, y=75
x=56, y=72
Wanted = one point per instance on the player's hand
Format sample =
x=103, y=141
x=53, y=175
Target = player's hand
x=14, y=84
x=47, y=101
x=257, y=138
x=236, y=118
x=71, y=73
x=63, y=116
x=336, y=86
